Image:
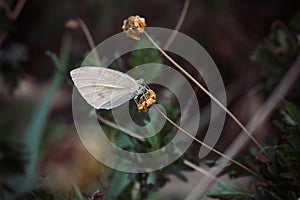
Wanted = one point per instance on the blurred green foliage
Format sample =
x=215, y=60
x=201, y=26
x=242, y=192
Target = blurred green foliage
x=280, y=167
x=277, y=52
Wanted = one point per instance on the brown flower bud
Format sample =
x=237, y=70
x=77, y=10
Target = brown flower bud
x=133, y=26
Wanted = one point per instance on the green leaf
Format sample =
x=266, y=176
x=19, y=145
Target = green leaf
x=230, y=192
x=117, y=185
x=78, y=192
x=151, y=178
x=34, y=131
x=292, y=113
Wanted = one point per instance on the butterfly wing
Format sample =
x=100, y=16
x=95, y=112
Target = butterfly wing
x=103, y=88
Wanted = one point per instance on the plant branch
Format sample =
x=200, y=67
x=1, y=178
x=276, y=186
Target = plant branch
x=35, y=130
x=90, y=40
x=115, y=126
x=262, y=115
x=205, y=91
x=17, y=9
x=205, y=145
x=201, y=170
x=179, y=24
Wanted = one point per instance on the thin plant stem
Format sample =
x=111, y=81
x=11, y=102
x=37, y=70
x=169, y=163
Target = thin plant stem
x=261, y=116
x=35, y=130
x=205, y=91
x=115, y=126
x=90, y=40
x=179, y=24
x=17, y=9
x=205, y=145
x=201, y=170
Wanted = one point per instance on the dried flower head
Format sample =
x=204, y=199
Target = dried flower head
x=133, y=26
x=147, y=100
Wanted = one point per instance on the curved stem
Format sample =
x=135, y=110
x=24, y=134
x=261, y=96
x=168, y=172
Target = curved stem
x=90, y=40
x=207, y=146
x=17, y=9
x=201, y=170
x=274, y=99
x=115, y=126
x=205, y=91
x=179, y=24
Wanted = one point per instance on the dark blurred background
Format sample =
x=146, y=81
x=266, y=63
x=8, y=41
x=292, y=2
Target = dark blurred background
x=228, y=30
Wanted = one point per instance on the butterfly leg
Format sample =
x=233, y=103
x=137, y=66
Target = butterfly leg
x=136, y=100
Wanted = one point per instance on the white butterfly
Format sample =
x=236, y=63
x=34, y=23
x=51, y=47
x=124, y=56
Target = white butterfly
x=105, y=88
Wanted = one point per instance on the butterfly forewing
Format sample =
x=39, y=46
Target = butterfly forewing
x=104, y=88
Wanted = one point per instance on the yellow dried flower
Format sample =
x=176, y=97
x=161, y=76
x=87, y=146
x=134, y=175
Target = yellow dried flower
x=147, y=100
x=133, y=26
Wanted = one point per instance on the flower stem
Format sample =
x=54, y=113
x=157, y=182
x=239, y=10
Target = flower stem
x=90, y=40
x=179, y=24
x=205, y=91
x=207, y=146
